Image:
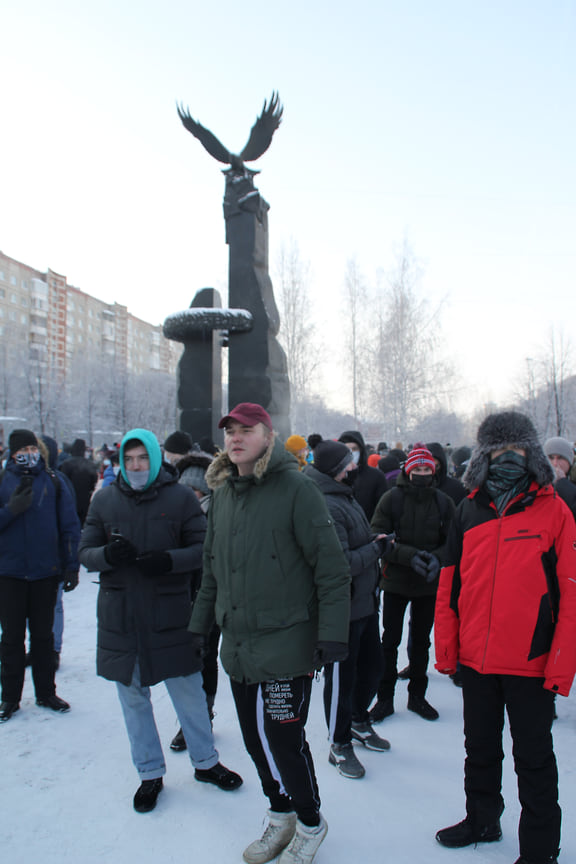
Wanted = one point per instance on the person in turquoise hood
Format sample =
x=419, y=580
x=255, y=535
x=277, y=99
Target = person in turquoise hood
x=144, y=533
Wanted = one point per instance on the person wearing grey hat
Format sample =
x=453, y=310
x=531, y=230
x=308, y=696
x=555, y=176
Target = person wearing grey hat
x=506, y=611
x=560, y=452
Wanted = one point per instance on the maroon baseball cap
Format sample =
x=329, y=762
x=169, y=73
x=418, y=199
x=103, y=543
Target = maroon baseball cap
x=249, y=414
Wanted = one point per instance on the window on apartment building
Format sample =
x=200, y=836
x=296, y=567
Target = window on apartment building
x=24, y=301
x=2, y=292
x=13, y=280
x=24, y=319
x=12, y=315
x=2, y=276
x=1, y=312
x=13, y=298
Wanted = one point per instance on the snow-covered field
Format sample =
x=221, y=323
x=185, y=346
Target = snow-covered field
x=67, y=781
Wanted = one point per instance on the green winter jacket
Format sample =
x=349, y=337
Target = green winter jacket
x=274, y=576
x=421, y=518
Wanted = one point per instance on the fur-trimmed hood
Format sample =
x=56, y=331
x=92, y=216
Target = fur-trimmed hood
x=275, y=458
x=507, y=429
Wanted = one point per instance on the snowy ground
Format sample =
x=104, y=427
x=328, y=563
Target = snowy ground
x=67, y=782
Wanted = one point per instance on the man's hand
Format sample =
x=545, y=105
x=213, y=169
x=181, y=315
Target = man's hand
x=154, y=563
x=330, y=652
x=120, y=551
x=70, y=580
x=21, y=499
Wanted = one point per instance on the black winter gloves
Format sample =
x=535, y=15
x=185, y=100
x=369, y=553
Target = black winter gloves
x=120, y=551
x=198, y=645
x=70, y=580
x=385, y=544
x=426, y=564
x=330, y=652
x=154, y=563
x=22, y=497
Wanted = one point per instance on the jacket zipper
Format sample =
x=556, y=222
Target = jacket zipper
x=500, y=518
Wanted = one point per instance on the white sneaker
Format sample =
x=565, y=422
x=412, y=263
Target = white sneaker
x=305, y=843
x=278, y=834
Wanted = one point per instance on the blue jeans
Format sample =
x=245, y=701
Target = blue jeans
x=189, y=701
x=58, y=628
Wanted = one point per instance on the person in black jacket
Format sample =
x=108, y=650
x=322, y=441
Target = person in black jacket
x=144, y=533
x=420, y=515
x=560, y=452
x=83, y=475
x=449, y=485
x=350, y=685
x=368, y=484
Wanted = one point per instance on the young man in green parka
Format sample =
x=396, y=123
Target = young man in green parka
x=278, y=584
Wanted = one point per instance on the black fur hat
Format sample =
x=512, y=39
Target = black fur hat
x=508, y=429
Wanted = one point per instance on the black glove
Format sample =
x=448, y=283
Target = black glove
x=154, y=563
x=198, y=645
x=419, y=563
x=21, y=499
x=433, y=568
x=330, y=652
x=385, y=544
x=70, y=580
x=120, y=551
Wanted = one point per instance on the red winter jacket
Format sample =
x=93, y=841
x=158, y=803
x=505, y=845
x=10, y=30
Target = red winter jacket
x=506, y=602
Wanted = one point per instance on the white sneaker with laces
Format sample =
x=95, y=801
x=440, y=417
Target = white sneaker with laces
x=305, y=843
x=278, y=834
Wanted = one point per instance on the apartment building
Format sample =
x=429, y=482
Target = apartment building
x=57, y=323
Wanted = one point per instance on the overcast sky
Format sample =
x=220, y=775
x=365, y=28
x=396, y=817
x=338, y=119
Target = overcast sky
x=449, y=123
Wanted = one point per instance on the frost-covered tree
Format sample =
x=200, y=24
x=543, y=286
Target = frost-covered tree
x=409, y=377
x=298, y=334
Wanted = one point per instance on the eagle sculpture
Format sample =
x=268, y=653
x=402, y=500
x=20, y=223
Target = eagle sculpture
x=258, y=142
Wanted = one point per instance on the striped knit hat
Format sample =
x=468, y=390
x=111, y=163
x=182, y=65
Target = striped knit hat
x=420, y=455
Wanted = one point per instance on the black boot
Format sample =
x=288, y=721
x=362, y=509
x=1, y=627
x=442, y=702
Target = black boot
x=383, y=708
x=404, y=673
x=467, y=832
x=219, y=776
x=420, y=706
x=146, y=796
x=7, y=709
x=178, y=743
x=54, y=702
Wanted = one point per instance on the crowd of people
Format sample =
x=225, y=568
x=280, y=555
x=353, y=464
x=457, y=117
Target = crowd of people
x=280, y=556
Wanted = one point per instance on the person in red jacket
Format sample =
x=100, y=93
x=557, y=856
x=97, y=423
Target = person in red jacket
x=506, y=610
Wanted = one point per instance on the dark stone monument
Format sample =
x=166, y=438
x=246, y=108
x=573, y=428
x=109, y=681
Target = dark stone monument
x=257, y=363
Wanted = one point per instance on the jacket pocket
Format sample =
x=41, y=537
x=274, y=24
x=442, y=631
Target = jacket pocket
x=278, y=619
x=111, y=609
x=172, y=609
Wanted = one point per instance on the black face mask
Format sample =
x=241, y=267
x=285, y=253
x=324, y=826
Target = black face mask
x=421, y=481
x=507, y=478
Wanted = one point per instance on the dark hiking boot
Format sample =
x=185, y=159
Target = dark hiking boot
x=383, y=708
x=147, y=795
x=54, y=703
x=420, y=706
x=552, y=860
x=7, y=709
x=219, y=776
x=404, y=673
x=178, y=743
x=466, y=833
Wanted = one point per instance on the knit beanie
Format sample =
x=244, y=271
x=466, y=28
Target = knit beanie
x=560, y=447
x=295, y=443
x=420, y=456
x=78, y=448
x=374, y=459
x=20, y=438
x=178, y=442
x=331, y=457
x=195, y=477
x=507, y=429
